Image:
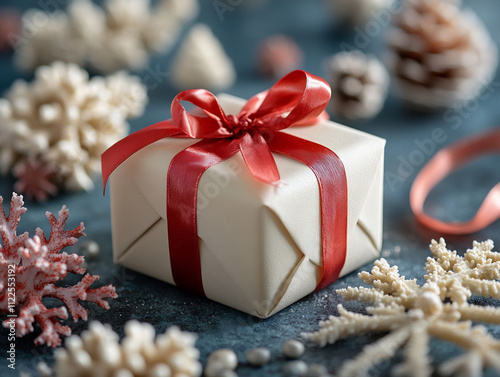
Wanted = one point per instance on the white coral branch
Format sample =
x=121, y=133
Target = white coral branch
x=373, y=354
x=417, y=360
x=349, y=324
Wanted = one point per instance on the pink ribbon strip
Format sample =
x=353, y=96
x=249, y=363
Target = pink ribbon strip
x=444, y=163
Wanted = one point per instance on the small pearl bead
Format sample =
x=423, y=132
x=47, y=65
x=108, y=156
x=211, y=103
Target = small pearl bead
x=317, y=370
x=258, y=356
x=226, y=357
x=295, y=368
x=293, y=349
x=90, y=249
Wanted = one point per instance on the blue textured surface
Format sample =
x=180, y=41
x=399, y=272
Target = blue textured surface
x=147, y=299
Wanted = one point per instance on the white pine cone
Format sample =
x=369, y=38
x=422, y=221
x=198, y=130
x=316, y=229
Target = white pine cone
x=359, y=85
x=441, y=56
x=67, y=120
x=202, y=62
x=98, y=353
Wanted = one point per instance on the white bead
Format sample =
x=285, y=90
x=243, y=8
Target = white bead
x=293, y=349
x=258, y=356
x=295, y=368
x=226, y=357
x=90, y=249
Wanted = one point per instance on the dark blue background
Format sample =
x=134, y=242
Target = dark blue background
x=149, y=300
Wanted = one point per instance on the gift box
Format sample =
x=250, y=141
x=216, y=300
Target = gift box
x=260, y=243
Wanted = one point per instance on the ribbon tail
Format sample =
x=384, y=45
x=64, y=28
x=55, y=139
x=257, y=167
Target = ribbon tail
x=183, y=177
x=123, y=149
x=258, y=157
x=332, y=181
x=444, y=163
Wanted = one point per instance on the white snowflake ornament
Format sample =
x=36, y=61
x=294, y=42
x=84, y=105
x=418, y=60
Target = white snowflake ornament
x=412, y=314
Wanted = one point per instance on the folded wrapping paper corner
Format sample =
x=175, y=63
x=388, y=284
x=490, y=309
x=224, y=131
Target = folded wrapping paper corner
x=257, y=256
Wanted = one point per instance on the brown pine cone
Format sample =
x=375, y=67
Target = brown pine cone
x=441, y=56
x=359, y=85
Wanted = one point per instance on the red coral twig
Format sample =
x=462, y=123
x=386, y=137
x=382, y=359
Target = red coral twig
x=39, y=264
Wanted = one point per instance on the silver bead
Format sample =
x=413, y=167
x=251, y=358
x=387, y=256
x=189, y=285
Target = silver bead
x=295, y=368
x=293, y=349
x=258, y=356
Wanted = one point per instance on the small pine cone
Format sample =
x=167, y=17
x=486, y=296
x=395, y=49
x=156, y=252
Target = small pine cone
x=359, y=85
x=441, y=56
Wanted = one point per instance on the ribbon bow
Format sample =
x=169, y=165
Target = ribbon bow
x=255, y=132
x=302, y=95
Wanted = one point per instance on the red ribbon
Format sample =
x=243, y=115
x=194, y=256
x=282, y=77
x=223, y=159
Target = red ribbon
x=444, y=163
x=255, y=132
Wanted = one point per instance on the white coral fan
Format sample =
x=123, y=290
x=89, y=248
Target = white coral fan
x=202, y=62
x=98, y=353
x=120, y=35
x=357, y=12
x=67, y=120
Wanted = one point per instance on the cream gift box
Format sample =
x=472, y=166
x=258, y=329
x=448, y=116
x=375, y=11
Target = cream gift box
x=260, y=245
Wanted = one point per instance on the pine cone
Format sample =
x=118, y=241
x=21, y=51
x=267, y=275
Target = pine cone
x=359, y=85
x=442, y=56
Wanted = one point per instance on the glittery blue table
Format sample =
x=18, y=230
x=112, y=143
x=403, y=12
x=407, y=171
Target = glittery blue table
x=408, y=134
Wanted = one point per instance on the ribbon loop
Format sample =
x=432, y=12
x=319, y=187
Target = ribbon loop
x=444, y=163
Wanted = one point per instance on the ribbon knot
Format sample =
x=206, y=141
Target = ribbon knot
x=243, y=124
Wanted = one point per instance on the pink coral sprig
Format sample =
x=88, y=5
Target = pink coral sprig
x=39, y=264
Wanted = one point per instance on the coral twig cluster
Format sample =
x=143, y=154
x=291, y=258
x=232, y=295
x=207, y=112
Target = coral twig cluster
x=412, y=314
x=119, y=36
x=66, y=120
x=30, y=269
x=98, y=353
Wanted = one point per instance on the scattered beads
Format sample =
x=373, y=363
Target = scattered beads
x=295, y=368
x=258, y=356
x=90, y=249
x=317, y=370
x=221, y=363
x=293, y=349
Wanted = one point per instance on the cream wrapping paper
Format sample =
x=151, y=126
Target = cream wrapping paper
x=260, y=245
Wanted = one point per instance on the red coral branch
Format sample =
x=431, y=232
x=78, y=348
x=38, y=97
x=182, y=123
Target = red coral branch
x=8, y=226
x=39, y=264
